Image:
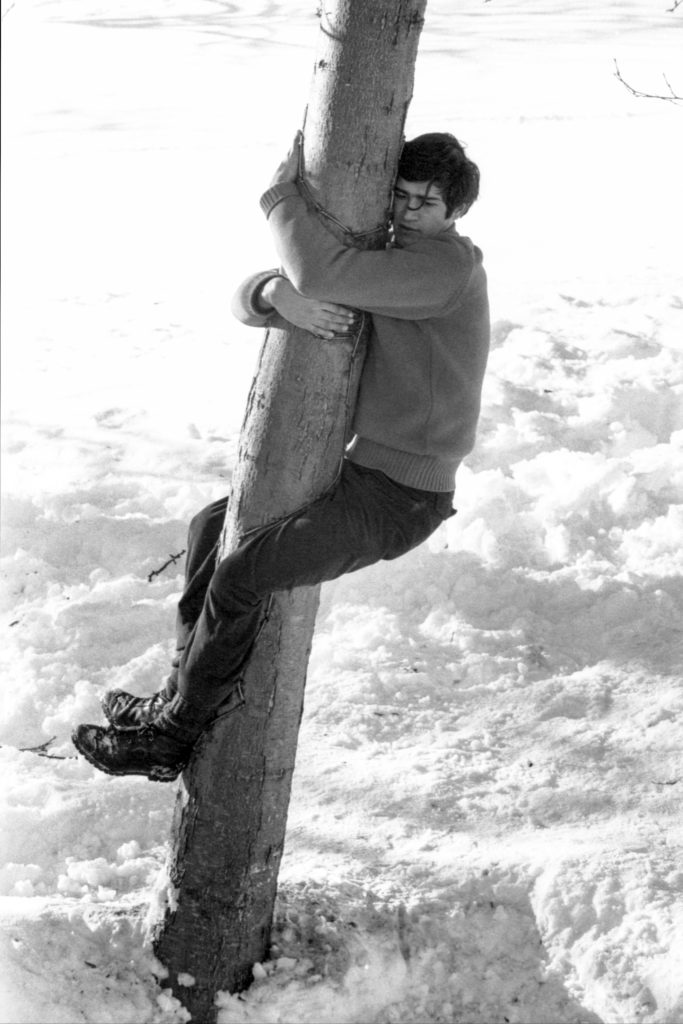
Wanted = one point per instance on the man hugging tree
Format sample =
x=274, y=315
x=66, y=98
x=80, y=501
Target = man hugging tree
x=414, y=421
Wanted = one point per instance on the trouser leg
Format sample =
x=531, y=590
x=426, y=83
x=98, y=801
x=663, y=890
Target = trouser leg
x=203, y=538
x=365, y=518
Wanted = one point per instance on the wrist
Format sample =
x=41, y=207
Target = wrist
x=265, y=295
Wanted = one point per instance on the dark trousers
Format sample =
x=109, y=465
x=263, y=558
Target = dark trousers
x=365, y=517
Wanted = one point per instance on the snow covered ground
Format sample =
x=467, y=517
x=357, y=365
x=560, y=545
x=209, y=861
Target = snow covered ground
x=485, y=823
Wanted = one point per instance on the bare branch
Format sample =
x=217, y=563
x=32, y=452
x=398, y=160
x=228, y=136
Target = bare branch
x=672, y=96
x=172, y=559
x=41, y=750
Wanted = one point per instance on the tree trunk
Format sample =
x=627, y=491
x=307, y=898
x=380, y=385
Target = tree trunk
x=229, y=824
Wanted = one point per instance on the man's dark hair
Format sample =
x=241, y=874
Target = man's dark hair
x=440, y=159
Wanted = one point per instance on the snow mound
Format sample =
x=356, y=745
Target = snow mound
x=343, y=955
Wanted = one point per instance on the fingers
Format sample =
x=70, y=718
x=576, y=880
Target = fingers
x=334, y=324
x=345, y=311
x=330, y=335
x=289, y=167
x=335, y=328
x=338, y=316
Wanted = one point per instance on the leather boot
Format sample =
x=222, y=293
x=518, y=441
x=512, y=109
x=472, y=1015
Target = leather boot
x=125, y=711
x=158, y=750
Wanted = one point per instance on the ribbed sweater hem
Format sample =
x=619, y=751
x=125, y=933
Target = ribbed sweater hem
x=426, y=472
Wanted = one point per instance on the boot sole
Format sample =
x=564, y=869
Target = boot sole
x=157, y=773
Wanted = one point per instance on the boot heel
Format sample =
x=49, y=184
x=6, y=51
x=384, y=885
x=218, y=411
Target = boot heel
x=160, y=774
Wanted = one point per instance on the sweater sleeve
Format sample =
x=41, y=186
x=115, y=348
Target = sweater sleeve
x=245, y=306
x=415, y=283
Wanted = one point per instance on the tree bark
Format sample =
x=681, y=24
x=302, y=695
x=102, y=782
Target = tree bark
x=229, y=825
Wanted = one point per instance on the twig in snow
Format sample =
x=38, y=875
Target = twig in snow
x=672, y=97
x=41, y=750
x=172, y=559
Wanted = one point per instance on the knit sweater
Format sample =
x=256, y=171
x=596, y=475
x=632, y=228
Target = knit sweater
x=420, y=389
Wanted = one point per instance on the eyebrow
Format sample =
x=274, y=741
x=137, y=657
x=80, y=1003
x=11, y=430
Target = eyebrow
x=424, y=196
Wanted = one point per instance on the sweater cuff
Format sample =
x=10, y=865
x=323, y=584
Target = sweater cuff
x=276, y=193
x=255, y=301
x=244, y=301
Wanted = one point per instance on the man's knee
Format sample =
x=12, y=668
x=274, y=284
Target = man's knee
x=209, y=521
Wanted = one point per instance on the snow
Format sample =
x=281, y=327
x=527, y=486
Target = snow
x=485, y=820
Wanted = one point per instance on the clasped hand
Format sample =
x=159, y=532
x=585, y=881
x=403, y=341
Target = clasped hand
x=322, y=318
x=288, y=170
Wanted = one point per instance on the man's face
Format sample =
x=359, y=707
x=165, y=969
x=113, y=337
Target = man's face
x=419, y=211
